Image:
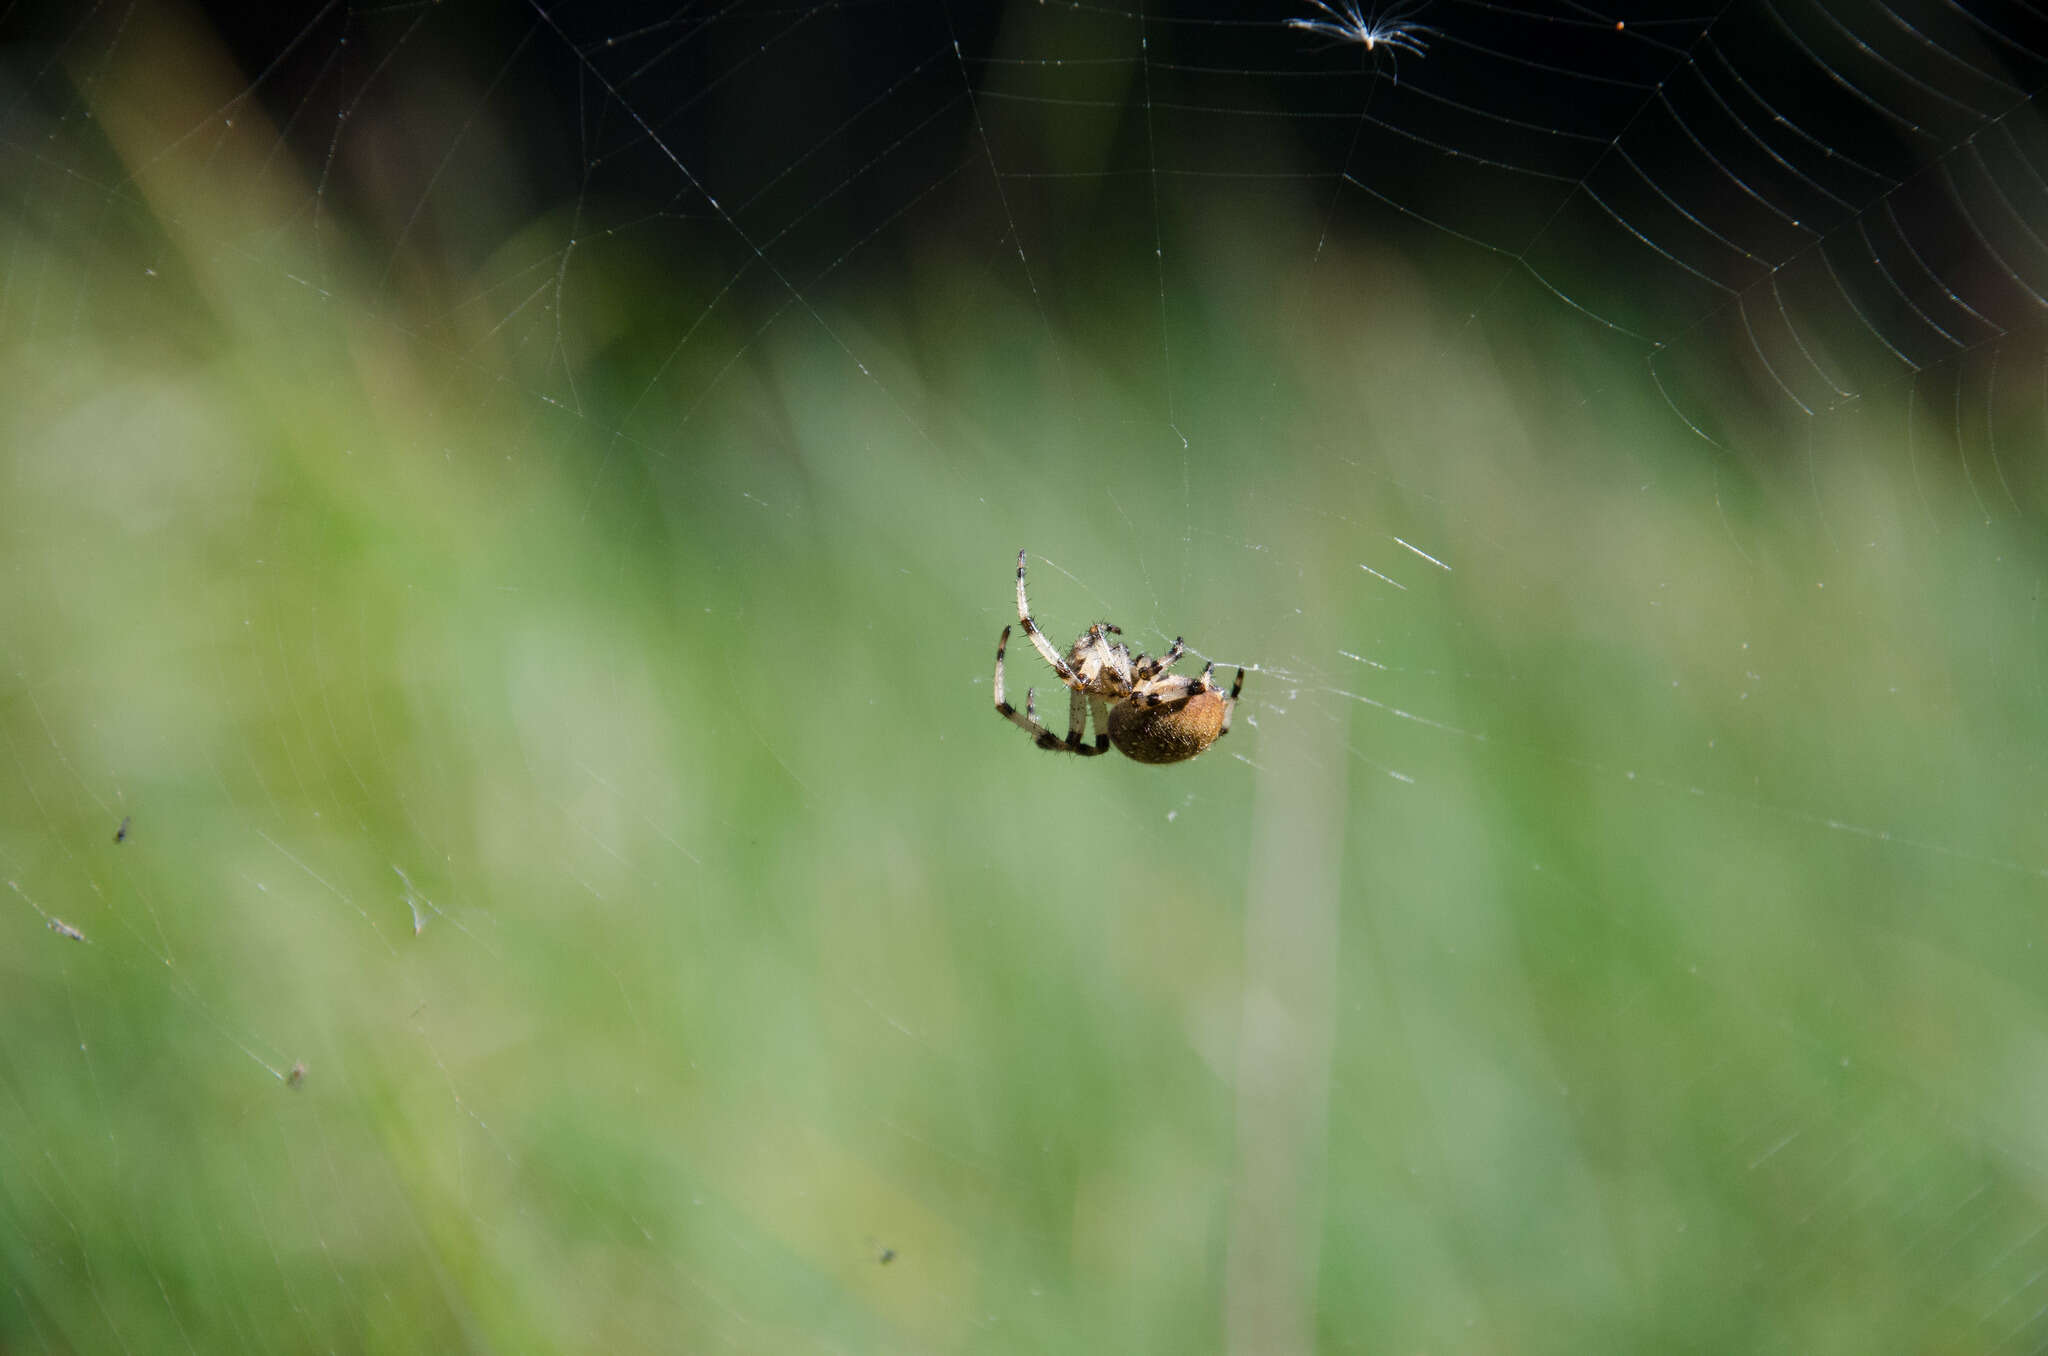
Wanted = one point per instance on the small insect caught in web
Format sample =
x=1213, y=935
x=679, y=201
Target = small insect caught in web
x=64, y=929
x=121, y=834
x=297, y=1076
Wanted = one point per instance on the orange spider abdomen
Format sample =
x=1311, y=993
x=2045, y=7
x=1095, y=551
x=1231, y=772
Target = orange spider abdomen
x=1169, y=733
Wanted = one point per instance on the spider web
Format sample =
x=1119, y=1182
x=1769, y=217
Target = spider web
x=508, y=510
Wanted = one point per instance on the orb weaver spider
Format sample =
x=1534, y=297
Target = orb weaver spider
x=1150, y=715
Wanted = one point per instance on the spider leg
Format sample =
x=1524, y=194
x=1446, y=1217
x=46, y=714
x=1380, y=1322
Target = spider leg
x=1045, y=649
x=1178, y=688
x=1099, y=705
x=1229, y=707
x=1077, y=717
x=1152, y=668
x=1077, y=722
x=1045, y=737
x=1027, y=720
x=1167, y=691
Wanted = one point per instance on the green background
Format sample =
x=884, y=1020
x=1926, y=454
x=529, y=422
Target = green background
x=571, y=744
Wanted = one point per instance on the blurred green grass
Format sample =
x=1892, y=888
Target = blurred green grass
x=1623, y=939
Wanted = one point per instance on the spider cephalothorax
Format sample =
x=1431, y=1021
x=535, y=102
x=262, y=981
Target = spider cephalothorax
x=1152, y=716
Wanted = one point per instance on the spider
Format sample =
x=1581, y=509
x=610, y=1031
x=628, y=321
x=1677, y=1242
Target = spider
x=1347, y=22
x=1156, y=717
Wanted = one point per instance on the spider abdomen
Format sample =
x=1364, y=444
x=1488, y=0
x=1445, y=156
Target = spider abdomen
x=1169, y=733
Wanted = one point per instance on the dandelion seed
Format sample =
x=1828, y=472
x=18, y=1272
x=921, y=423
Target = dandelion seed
x=1347, y=21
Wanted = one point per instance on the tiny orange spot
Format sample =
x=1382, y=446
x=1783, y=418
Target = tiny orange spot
x=1619, y=25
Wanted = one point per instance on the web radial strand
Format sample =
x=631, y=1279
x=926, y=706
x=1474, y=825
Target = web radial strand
x=1841, y=78
x=1984, y=74
x=1722, y=165
x=2009, y=211
x=1895, y=70
x=1763, y=356
x=1743, y=126
x=1675, y=205
x=1849, y=299
x=1927, y=270
x=1792, y=330
x=1983, y=232
x=1777, y=117
x=1897, y=289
